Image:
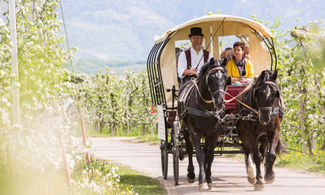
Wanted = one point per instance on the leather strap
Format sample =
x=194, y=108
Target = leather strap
x=197, y=88
x=242, y=103
x=242, y=92
x=198, y=112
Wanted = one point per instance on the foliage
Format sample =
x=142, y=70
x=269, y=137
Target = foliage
x=302, y=88
x=117, y=179
x=117, y=104
x=33, y=148
x=98, y=177
x=295, y=159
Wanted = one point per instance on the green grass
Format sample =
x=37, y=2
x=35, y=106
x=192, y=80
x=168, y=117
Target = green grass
x=141, y=183
x=150, y=138
x=301, y=161
x=129, y=178
x=133, y=132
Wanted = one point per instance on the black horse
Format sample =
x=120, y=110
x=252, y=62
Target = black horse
x=200, y=103
x=261, y=138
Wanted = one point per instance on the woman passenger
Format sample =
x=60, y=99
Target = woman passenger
x=240, y=68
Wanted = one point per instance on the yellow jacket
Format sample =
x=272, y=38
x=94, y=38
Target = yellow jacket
x=233, y=71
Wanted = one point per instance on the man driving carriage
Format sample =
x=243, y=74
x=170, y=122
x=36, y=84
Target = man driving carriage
x=191, y=60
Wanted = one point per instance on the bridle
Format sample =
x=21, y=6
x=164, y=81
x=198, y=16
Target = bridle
x=265, y=108
x=207, y=83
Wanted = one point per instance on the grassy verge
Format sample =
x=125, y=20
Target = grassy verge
x=151, y=139
x=301, y=161
x=125, y=178
x=141, y=184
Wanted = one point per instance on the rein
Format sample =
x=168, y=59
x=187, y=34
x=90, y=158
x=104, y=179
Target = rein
x=242, y=103
x=197, y=88
x=245, y=105
x=241, y=93
x=206, y=80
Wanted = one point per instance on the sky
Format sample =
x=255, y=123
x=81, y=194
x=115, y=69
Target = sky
x=124, y=29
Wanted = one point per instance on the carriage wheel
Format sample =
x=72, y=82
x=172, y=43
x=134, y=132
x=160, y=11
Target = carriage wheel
x=164, y=158
x=176, y=151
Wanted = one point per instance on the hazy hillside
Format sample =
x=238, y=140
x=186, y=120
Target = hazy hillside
x=93, y=65
x=108, y=30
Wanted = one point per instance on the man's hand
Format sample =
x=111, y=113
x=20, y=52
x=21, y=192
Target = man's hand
x=190, y=71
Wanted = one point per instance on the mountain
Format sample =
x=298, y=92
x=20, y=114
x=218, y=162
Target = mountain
x=110, y=30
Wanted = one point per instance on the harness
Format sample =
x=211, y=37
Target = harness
x=206, y=82
x=273, y=110
x=199, y=112
x=188, y=57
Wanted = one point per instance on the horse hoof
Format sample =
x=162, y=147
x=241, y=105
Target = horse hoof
x=189, y=180
x=210, y=186
x=258, y=186
x=201, y=186
x=251, y=180
x=269, y=178
x=251, y=176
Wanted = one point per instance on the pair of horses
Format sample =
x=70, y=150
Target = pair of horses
x=203, y=109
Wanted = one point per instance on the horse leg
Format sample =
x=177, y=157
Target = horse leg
x=250, y=168
x=263, y=147
x=249, y=163
x=189, y=150
x=257, y=160
x=200, y=157
x=271, y=154
x=209, y=156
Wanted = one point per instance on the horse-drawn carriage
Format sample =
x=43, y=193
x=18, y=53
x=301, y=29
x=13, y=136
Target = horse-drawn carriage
x=164, y=85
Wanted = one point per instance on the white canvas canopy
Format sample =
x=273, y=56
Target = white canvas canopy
x=219, y=26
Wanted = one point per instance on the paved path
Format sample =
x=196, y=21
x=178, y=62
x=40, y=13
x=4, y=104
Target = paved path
x=229, y=176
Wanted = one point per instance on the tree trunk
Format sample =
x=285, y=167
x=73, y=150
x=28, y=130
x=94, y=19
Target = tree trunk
x=112, y=129
x=310, y=146
x=318, y=87
x=143, y=128
x=101, y=126
x=127, y=106
x=302, y=124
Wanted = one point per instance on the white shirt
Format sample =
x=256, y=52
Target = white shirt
x=195, y=58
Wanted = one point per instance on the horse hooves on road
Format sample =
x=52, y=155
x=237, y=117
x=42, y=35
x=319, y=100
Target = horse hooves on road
x=251, y=175
x=268, y=181
x=210, y=186
x=189, y=180
x=258, y=187
x=201, y=186
x=251, y=180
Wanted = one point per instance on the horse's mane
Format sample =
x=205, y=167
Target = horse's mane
x=266, y=75
x=208, y=66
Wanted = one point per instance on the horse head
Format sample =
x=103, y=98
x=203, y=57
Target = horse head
x=213, y=79
x=265, y=94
